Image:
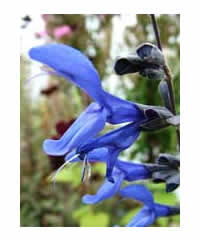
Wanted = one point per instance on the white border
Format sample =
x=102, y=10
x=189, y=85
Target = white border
x=190, y=119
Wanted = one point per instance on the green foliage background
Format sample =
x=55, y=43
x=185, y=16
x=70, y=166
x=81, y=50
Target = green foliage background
x=42, y=206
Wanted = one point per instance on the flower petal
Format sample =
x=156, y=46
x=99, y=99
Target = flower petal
x=90, y=122
x=121, y=110
x=139, y=193
x=115, y=141
x=70, y=63
x=120, y=139
x=106, y=191
x=144, y=218
x=133, y=171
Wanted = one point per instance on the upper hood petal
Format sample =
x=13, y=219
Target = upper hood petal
x=70, y=63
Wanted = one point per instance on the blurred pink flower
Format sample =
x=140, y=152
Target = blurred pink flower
x=61, y=31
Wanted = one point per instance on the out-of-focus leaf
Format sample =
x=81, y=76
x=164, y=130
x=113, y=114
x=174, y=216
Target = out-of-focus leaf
x=95, y=220
x=68, y=175
x=99, y=168
x=81, y=212
x=128, y=216
x=162, y=221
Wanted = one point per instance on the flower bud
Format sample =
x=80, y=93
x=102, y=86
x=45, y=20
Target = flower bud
x=148, y=61
x=156, y=117
x=170, y=176
x=150, y=54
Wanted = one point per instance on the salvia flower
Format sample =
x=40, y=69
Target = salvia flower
x=147, y=61
x=118, y=140
x=151, y=210
x=71, y=64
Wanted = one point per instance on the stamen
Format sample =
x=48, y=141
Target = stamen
x=89, y=170
x=61, y=167
x=46, y=72
x=84, y=168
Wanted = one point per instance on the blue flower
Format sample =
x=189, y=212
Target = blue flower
x=151, y=210
x=116, y=141
x=71, y=64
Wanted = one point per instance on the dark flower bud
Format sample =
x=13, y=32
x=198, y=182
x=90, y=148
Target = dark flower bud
x=150, y=54
x=174, y=210
x=148, y=61
x=168, y=159
x=129, y=64
x=156, y=117
x=170, y=176
x=173, y=182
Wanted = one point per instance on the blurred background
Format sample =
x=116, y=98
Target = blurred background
x=49, y=105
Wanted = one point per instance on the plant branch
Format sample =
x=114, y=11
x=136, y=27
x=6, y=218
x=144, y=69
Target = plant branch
x=168, y=73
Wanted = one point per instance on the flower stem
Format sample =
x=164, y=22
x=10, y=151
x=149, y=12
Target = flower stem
x=168, y=73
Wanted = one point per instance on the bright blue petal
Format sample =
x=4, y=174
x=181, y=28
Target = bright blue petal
x=139, y=193
x=98, y=155
x=111, y=160
x=133, y=171
x=115, y=141
x=119, y=139
x=70, y=63
x=89, y=123
x=144, y=218
x=122, y=110
x=106, y=191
